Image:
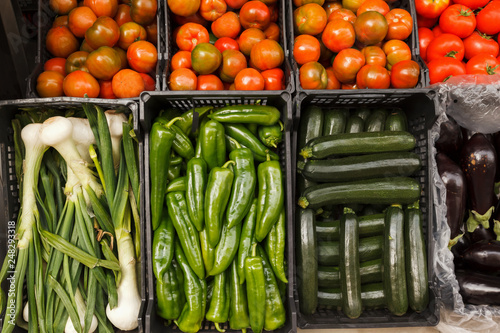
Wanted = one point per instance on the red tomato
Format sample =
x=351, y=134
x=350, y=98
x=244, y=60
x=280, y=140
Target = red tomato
x=310, y=19
x=182, y=79
x=249, y=38
x=396, y=51
x=85, y=47
x=306, y=48
x=195, y=18
x=299, y=3
x=209, y=82
x=349, y=86
x=123, y=57
x=483, y=64
x=333, y=83
x=152, y=32
x=338, y=35
x=76, y=61
x=60, y=42
x=104, y=63
x=79, y=84
x=143, y=12
x=142, y=56
x=330, y=7
x=352, y=4
x=374, y=55
x=80, y=19
x=374, y=5
x=445, y=45
x=249, y=79
x=313, y=75
x=191, y=34
x=127, y=84
x=205, y=58
x=437, y=31
x=400, y=24
x=267, y=54
x=488, y=18
x=56, y=65
x=181, y=59
x=255, y=14
x=480, y=43
x=472, y=4
x=235, y=4
x=272, y=31
x=228, y=25
x=183, y=7
x=373, y=77
x=106, y=89
x=233, y=62
x=443, y=68
x=62, y=7
x=346, y=65
x=371, y=28
x=458, y=20
x=226, y=43
x=60, y=21
x=425, y=36
x=431, y=8
x=102, y=7
x=425, y=22
x=104, y=32
x=129, y=33
x=342, y=14
x=274, y=79
x=404, y=74
x=50, y=84
x=122, y=14
x=211, y=10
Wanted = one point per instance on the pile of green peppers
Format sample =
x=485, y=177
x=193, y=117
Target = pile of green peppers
x=218, y=215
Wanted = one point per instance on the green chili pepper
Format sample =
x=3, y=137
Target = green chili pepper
x=244, y=183
x=192, y=313
x=175, y=159
x=174, y=172
x=254, y=128
x=213, y=144
x=244, y=114
x=161, y=139
x=231, y=145
x=270, y=199
x=275, y=247
x=243, y=135
x=186, y=121
x=196, y=182
x=226, y=249
x=163, y=245
x=256, y=286
x=170, y=300
x=181, y=145
x=186, y=231
x=246, y=240
x=275, y=314
x=178, y=184
x=207, y=251
x=218, y=311
x=238, y=311
x=168, y=114
x=217, y=194
x=210, y=290
x=271, y=135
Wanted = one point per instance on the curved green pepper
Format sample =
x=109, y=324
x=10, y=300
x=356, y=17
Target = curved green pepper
x=244, y=137
x=170, y=300
x=246, y=240
x=253, y=127
x=244, y=114
x=243, y=190
x=271, y=135
x=168, y=114
x=163, y=245
x=196, y=183
x=175, y=159
x=275, y=247
x=218, y=311
x=231, y=145
x=174, y=172
x=238, y=312
x=256, y=286
x=226, y=249
x=178, y=184
x=220, y=181
x=213, y=144
x=207, y=251
x=187, y=118
x=186, y=231
x=271, y=197
x=181, y=145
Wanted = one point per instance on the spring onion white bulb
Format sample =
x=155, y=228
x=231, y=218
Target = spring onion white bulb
x=115, y=124
x=83, y=136
x=80, y=307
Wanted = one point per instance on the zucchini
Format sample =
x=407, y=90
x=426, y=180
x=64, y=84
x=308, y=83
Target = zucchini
x=328, y=277
x=311, y=126
x=370, y=248
x=372, y=296
x=307, y=265
x=362, y=167
x=363, y=113
x=370, y=271
x=416, y=259
x=369, y=225
x=394, y=261
x=358, y=143
x=376, y=121
x=387, y=191
x=373, y=209
x=355, y=124
x=396, y=121
x=334, y=121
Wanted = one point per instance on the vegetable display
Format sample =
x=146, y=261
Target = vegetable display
x=360, y=243
x=225, y=224
x=100, y=49
x=77, y=239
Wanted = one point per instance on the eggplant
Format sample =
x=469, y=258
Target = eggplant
x=483, y=256
x=478, y=161
x=450, y=139
x=461, y=244
x=456, y=193
x=477, y=288
x=481, y=234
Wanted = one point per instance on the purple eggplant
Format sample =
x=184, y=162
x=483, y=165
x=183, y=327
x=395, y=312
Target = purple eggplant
x=456, y=193
x=461, y=244
x=481, y=234
x=483, y=256
x=478, y=161
x=450, y=139
x=477, y=288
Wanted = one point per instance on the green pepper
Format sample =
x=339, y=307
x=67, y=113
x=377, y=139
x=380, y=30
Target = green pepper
x=187, y=118
x=196, y=183
x=245, y=114
x=271, y=135
x=226, y=249
x=213, y=144
x=163, y=245
x=186, y=231
x=254, y=128
x=161, y=139
x=168, y=114
x=256, y=286
x=246, y=240
x=238, y=311
x=275, y=247
x=218, y=312
x=182, y=144
x=220, y=181
x=244, y=183
x=170, y=300
x=178, y=184
x=174, y=172
x=270, y=199
x=210, y=290
x=192, y=313
x=275, y=314
x=231, y=145
x=175, y=159
x=207, y=251
x=243, y=135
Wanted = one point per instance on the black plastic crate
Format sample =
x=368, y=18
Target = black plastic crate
x=412, y=42
x=9, y=190
x=171, y=49
x=419, y=106
x=45, y=18
x=150, y=106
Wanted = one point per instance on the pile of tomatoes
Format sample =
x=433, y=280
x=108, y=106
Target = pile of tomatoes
x=353, y=44
x=226, y=45
x=100, y=48
x=459, y=37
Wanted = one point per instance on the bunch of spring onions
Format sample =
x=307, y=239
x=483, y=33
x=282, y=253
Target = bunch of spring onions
x=77, y=234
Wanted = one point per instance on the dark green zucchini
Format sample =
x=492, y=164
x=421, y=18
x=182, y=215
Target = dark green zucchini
x=362, y=167
x=355, y=124
x=363, y=113
x=387, y=191
x=370, y=271
x=358, y=143
x=334, y=121
x=376, y=121
x=311, y=126
x=370, y=248
x=372, y=296
x=328, y=277
x=394, y=261
x=369, y=225
x=396, y=121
